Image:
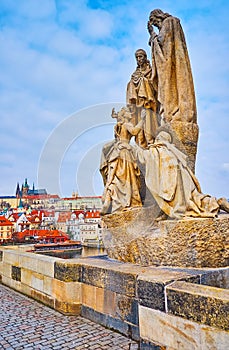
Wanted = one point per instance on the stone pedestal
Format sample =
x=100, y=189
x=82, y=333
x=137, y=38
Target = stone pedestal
x=134, y=236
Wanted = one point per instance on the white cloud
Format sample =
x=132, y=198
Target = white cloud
x=225, y=166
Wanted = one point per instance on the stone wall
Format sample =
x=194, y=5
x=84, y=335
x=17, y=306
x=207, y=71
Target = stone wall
x=161, y=307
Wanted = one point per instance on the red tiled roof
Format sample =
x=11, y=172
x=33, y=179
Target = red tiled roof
x=41, y=196
x=84, y=197
x=92, y=214
x=15, y=216
x=47, y=213
x=41, y=234
x=77, y=212
x=64, y=216
x=34, y=212
x=32, y=218
x=5, y=222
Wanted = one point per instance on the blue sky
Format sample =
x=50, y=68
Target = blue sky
x=61, y=57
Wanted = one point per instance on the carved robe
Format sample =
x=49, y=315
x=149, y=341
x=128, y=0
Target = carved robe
x=140, y=90
x=140, y=93
x=173, y=185
x=120, y=171
x=171, y=73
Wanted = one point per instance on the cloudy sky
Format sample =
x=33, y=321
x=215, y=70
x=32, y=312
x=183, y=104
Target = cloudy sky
x=65, y=63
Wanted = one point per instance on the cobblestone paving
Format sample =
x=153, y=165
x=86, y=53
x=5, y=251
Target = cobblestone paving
x=27, y=324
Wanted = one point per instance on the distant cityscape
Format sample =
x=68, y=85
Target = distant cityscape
x=33, y=215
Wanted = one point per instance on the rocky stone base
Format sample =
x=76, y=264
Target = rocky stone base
x=135, y=236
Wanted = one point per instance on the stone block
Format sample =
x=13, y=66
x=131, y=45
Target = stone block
x=69, y=292
x=17, y=285
x=120, y=282
x=89, y=296
x=29, y=261
x=105, y=320
x=134, y=332
x=48, y=285
x=174, y=332
x=109, y=303
x=32, y=279
x=218, y=278
x=67, y=272
x=6, y=269
x=187, y=134
x=67, y=308
x=127, y=309
x=45, y=266
x=99, y=300
x=43, y=298
x=152, y=281
x=16, y=273
x=26, y=276
x=118, y=325
x=94, y=316
x=151, y=294
x=93, y=275
x=37, y=282
x=11, y=257
x=204, y=304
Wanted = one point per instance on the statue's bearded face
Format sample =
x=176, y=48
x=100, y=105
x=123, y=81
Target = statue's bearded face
x=140, y=58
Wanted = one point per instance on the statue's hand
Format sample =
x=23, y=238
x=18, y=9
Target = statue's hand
x=151, y=31
x=113, y=113
x=150, y=28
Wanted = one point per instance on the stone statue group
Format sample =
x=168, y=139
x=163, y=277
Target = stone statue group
x=160, y=114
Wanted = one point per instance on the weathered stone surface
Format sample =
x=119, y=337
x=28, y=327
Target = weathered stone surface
x=89, y=296
x=187, y=134
x=127, y=309
x=218, y=278
x=37, y=282
x=1, y=255
x=67, y=308
x=93, y=315
x=16, y=273
x=45, y=266
x=67, y=272
x=44, y=298
x=41, y=264
x=188, y=243
x=151, y=294
x=152, y=282
x=121, y=282
x=6, y=269
x=106, y=320
x=70, y=292
x=174, y=332
x=199, y=303
x=93, y=275
x=10, y=257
